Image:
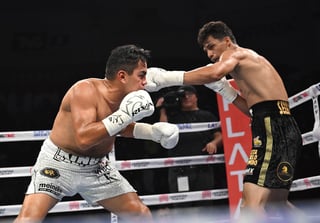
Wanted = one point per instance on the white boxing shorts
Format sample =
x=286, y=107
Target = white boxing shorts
x=61, y=174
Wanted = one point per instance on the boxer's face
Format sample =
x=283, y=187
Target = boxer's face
x=137, y=80
x=214, y=47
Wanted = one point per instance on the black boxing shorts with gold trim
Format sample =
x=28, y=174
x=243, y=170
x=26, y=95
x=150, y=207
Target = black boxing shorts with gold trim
x=276, y=145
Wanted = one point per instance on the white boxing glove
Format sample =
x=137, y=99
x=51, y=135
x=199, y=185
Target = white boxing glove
x=166, y=134
x=158, y=78
x=223, y=88
x=133, y=107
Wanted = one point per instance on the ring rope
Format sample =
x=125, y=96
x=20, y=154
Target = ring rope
x=123, y=165
x=158, y=199
x=43, y=134
x=305, y=95
x=82, y=205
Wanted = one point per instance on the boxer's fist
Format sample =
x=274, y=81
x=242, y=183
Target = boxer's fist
x=166, y=134
x=133, y=107
x=137, y=105
x=158, y=78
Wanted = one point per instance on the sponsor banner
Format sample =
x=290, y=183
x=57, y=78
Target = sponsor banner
x=236, y=134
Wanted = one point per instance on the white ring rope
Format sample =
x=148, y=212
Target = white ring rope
x=39, y=135
x=123, y=165
x=311, y=93
x=158, y=199
x=82, y=205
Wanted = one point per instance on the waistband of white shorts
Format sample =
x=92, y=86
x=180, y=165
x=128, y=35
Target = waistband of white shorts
x=60, y=155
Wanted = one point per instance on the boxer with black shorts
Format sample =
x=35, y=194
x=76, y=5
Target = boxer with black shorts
x=273, y=157
x=276, y=136
x=92, y=113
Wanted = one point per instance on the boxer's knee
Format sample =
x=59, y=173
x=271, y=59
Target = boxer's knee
x=138, y=208
x=136, y=211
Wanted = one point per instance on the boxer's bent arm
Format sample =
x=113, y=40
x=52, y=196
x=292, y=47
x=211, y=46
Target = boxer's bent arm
x=241, y=104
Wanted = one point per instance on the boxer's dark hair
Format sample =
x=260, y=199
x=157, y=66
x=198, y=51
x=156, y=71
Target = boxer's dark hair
x=125, y=58
x=216, y=29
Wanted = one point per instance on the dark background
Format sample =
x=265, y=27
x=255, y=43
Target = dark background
x=46, y=46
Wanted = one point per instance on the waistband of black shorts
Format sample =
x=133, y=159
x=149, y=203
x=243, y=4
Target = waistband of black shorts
x=60, y=155
x=271, y=107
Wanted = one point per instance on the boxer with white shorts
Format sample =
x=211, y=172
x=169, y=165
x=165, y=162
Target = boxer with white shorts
x=92, y=113
x=61, y=174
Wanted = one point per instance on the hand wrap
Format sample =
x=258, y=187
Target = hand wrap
x=223, y=88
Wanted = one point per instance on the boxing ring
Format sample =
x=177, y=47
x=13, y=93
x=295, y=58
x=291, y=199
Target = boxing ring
x=313, y=136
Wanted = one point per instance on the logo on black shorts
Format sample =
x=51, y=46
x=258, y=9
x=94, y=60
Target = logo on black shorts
x=257, y=142
x=285, y=171
x=50, y=172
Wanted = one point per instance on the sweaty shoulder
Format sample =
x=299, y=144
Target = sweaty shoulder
x=239, y=55
x=84, y=83
x=86, y=86
x=78, y=92
x=85, y=90
x=248, y=60
x=245, y=53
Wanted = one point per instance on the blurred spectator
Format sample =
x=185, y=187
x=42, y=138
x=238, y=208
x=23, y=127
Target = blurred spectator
x=181, y=106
